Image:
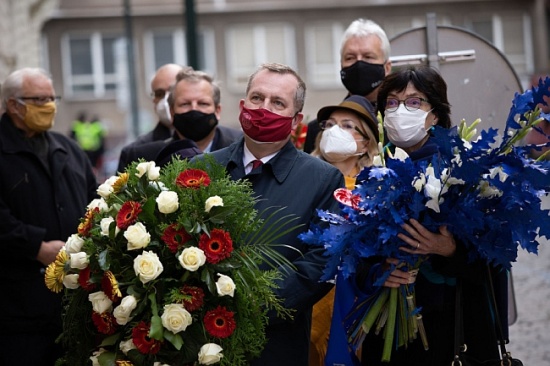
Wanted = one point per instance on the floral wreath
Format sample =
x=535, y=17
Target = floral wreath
x=164, y=270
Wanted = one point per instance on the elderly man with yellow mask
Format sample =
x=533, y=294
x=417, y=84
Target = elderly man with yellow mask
x=46, y=181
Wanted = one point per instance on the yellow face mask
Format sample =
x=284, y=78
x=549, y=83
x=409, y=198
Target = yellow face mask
x=40, y=118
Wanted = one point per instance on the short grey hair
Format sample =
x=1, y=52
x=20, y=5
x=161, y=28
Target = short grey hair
x=11, y=88
x=194, y=76
x=299, y=97
x=366, y=27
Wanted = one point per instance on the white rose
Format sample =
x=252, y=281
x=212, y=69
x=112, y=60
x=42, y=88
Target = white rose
x=74, y=244
x=168, y=202
x=127, y=346
x=137, y=236
x=95, y=355
x=105, y=189
x=100, y=302
x=153, y=172
x=211, y=202
x=160, y=364
x=124, y=309
x=105, y=223
x=79, y=260
x=71, y=281
x=98, y=203
x=210, y=353
x=192, y=258
x=147, y=266
x=175, y=318
x=225, y=285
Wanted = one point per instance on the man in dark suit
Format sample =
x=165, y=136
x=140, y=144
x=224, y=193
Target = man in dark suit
x=283, y=176
x=195, y=108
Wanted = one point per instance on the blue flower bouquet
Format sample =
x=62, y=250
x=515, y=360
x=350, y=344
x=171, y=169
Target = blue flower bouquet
x=486, y=191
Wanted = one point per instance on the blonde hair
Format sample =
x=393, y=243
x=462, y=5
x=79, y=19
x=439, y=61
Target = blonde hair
x=364, y=160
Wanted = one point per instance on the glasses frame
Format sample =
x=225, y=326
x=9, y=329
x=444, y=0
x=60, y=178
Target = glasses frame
x=404, y=102
x=323, y=124
x=158, y=94
x=40, y=100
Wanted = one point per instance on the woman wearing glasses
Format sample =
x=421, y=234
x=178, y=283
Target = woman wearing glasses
x=349, y=141
x=411, y=101
x=349, y=138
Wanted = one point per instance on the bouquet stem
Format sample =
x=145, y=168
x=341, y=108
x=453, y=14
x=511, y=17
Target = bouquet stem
x=390, y=326
x=422, y=332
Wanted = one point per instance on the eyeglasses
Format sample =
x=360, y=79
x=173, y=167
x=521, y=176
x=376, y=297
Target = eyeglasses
x=41, y=100
x=345, y=124
x=411, y=104
x=158, y=93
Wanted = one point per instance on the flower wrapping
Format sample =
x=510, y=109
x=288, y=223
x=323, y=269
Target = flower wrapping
x=165, y=269
x=487, y=192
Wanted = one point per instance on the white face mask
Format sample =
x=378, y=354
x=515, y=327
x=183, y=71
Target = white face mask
x=162, y=109
x=337, y=145
x=405, y=128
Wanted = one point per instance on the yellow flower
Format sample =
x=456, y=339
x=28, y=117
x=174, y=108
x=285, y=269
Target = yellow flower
x=120, y=182
x=123, y=363
x=110, y=286
x=55, y=272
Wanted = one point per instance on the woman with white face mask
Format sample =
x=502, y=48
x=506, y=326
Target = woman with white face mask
x=349, y=141
x=411, y=102
x=349, y=138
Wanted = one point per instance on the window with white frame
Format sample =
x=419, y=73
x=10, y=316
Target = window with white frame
x=168, y=45
x=323, y=41
x=510, y=33
x=249, y=45
x=89, y=65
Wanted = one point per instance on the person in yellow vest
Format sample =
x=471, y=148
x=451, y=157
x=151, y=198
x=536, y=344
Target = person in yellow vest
x=90, y=136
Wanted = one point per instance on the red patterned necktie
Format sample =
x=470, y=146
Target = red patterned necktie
x=256, y=163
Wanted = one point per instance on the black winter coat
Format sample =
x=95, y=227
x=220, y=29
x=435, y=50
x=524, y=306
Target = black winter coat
x=302, y=184
x=37, y=203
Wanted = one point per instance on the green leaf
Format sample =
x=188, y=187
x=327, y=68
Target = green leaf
x=218, y=214
x=104, y=260
x=156, y=331
x=148, y=212
x=106, y=359
x=110, y=340
x=175, y=339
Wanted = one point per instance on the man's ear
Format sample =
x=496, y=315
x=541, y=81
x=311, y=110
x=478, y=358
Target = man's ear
x=297, y=119
x=12, y=106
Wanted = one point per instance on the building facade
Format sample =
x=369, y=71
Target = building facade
x=84, y=46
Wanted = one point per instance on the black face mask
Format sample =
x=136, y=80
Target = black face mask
x=195, y=125
x=362, y=77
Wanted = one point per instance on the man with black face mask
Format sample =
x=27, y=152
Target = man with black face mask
x=195, y=108
x=364, y=61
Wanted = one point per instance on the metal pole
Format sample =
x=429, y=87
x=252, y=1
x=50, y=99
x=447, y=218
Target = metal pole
x=191, y=34
x=431, y=40
x=134, y=113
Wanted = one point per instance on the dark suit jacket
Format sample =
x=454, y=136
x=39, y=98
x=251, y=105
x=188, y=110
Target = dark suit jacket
x=149, y=151
x=302, y=184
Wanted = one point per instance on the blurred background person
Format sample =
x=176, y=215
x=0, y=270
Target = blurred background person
x=194, y=104
x=90, y=136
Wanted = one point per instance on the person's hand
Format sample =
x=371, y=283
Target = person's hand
x=422, y=241
x=398, y=277
x=48, y=251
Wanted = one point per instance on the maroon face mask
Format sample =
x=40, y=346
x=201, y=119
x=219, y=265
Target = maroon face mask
x=265, y=126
